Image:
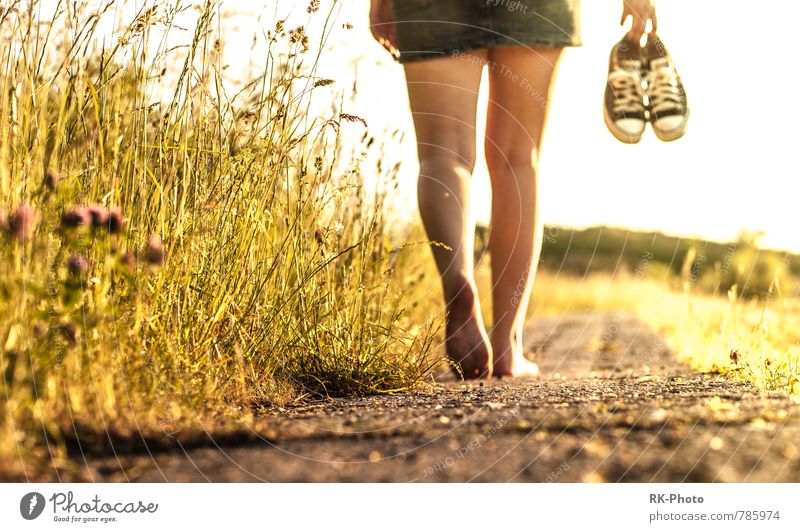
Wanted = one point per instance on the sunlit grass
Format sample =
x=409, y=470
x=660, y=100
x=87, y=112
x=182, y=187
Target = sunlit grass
x=757, y=340
x=245, y=263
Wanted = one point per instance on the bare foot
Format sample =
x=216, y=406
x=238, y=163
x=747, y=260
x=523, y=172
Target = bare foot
x=467, y=343
x=509, y=360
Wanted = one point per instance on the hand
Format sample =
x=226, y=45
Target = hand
x=381, y=22
x=641, y=11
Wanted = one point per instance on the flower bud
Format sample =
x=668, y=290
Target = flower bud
x=77, y=217
x=115, y=222
x=78, y=265
x=51, y=179
x=155, y=251
x=22, y=222
x=99, y=216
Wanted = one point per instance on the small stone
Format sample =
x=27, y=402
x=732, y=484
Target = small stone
x=594, y=478
x=789, y=451
x=658, y=415
x=716, y=404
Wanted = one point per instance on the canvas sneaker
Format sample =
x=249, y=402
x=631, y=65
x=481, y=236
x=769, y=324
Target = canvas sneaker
x=625, y=111
x=669, y=109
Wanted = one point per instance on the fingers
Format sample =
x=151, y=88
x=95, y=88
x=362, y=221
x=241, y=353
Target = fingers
x=639, y=14
x=637, y=28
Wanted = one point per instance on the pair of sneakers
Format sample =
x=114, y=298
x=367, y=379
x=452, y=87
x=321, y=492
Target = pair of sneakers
x=644, y=86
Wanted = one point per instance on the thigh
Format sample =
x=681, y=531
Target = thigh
x=443, y=94
x=520, y=85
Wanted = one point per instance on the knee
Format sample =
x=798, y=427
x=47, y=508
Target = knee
x=503, y=155
x=436, y=159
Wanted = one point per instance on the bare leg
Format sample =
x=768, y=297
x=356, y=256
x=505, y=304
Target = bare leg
x=443, y=94
x=518, y=103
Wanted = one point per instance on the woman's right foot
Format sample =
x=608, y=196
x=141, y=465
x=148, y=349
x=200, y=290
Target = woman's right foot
x=510, y=361
x=467, y=343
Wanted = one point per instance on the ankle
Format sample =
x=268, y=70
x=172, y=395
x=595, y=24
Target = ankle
x=505, y=345
x=461, y=295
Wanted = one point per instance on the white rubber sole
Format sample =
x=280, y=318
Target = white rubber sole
x=622, y=136
x=672, y=134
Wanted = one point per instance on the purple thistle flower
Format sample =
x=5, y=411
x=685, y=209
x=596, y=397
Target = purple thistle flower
x=115, y=221
x=99, y=216
x=23, y=222
x=51, y=179
x=155, y=251
x=76, y=217
x=77, y=264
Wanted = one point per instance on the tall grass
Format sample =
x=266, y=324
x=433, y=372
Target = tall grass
x=183, y=258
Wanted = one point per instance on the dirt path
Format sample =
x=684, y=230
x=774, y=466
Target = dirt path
x=613, y=404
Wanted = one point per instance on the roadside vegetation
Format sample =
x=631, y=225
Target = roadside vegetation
x=166, y=263
x=755, y=339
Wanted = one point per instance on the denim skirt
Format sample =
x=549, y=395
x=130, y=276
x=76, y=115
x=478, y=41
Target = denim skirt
x=434, y=28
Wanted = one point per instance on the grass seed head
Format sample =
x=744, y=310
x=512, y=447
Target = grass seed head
x=3, y=221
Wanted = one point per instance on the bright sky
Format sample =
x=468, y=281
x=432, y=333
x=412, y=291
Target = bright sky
x=736, y=168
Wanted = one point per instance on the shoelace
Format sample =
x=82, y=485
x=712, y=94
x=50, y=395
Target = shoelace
x=663, y=88
x=628, y=95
